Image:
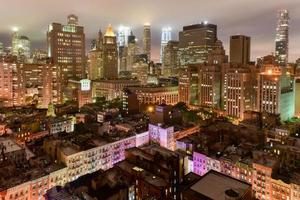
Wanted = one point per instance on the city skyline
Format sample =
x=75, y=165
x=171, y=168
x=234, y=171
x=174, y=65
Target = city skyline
x=258, y=23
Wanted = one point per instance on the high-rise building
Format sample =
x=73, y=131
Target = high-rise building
x=147, y=41
x=66, y=45
x=131, y=52
x=240, y=49
x=239, y=89
x=170, y=62
x=95, y=58
x=166, y=36
x=110, y=54
x=276, y=91
x=20, y=45
x=211, y=77
x=196, y=42
x=122, y=35
x=282, y=38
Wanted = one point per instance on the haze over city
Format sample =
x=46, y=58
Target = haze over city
x=250, y=17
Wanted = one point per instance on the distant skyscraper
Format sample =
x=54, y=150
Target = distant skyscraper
x=196, y=42
x=20, y=45
x=95, y=58
x=282, y=38
x=170, y=62
x=147, y=41
x=110, y=54
x=131, y=52
x=240, y=49
x=166, y=36
x=122, y=35
x=66, y=45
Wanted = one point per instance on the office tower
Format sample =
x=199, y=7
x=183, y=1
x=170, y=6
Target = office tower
x=122, y=35
x=240, y=49
x=20, y=45
x=131, y=52
x=66, y=46
x=147, y=41
x=196, y=42
x=211, y=78
x=239, y=87
x=166, y=36
x=95, y=58
x=282, y=38
x=110, y=54
x=170, y=62
x=276, y=91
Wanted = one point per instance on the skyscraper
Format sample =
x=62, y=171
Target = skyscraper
x=20, y=45
x=95, y=58
x=122, y=35
x=66, y=45
x=240, y=49
x=131, y=52
x=110, y=54
x=196, y=42
x=147, y=41
x=170, y=62
x=282, y=38
x=166, y=36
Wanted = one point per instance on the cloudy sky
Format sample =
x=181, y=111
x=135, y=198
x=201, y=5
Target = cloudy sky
x=256, y=18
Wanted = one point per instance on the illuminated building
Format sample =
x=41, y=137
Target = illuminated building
x=210, y=86
x=196, y=42
x=239, y=91
x=140, y=71
x=147, y=41
x=95, y=59
x=153, y=95
x=110, y=54
x=130, y=102
x=211, y=78
x=184, y=86
x=122, y=36
x=66, y=46
x=111, y=89
x=83, y=159
x=276, y=91
x=170, y=60
x=240, y=49
x=20, y=45
x=131, y=52
x=166, y=36
x=282, y=38
x=85, y=92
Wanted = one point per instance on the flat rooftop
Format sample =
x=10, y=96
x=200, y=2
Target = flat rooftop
x=214, y=184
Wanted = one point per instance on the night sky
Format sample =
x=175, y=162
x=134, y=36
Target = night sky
x=255, y=18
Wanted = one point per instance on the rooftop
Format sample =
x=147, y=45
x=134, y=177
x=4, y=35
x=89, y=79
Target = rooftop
x=214, y=185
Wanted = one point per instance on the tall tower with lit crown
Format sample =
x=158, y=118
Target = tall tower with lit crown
x=282, y=38
x=110, y=54
x=147, y=41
